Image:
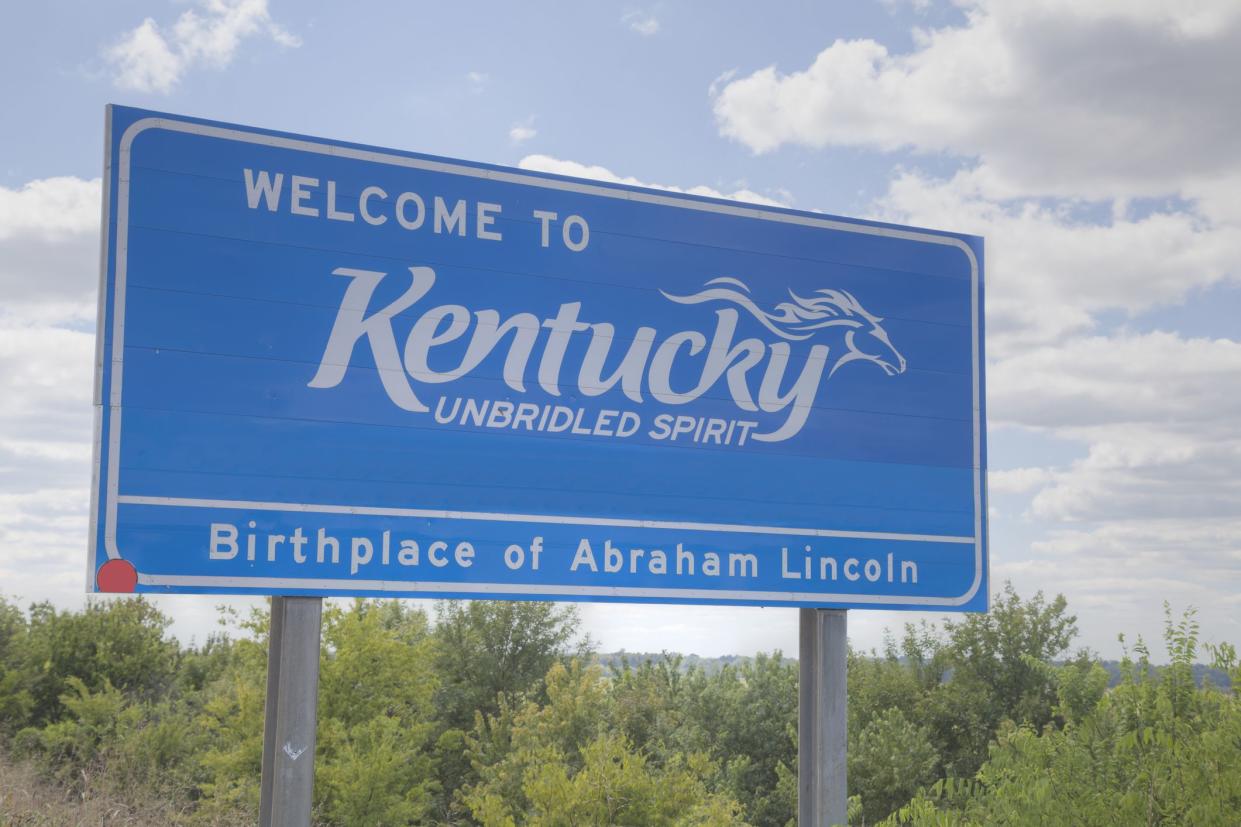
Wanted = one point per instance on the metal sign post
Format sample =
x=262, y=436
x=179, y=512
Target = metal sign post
x=822, y=731
x=286, y=792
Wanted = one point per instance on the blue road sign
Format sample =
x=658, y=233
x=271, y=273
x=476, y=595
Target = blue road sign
x=326, y=368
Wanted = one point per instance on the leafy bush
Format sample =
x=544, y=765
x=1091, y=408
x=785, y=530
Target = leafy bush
x=1155, y=750
x=889, y=761
x=496, y=714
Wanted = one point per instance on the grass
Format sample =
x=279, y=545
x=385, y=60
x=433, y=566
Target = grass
x=29, y=799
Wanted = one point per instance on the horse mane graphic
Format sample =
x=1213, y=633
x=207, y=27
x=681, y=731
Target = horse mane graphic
x=799, y=319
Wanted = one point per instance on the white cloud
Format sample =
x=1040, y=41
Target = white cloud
x=522, y=131
x=1126, y=569
x=1116, y=577
x=45, y=449
x=1152, y=507
x=720, y=81
x=545, y=163
x=149, y=58
x=641, y=22
x=478, y=81
x=144, y=61
x=49, y=251
x=1158, y=413
x=1049, y=272
x=50, y=208
x=1101, y=382
x=49, y=272
x=1161, y=543
x=1126, y=477
x=48, y=373
x=1056, y=97
x=1017, y=480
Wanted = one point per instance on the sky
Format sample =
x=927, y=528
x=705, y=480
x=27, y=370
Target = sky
x=1093, y=145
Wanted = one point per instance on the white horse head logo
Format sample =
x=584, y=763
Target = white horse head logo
x=799, y=319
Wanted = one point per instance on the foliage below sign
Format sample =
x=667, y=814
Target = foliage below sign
x=332, y=369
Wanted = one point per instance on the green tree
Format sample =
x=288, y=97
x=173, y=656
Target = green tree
x=890, y=759
x=489, y=653
x=232, y=707
x=1156, y=750
x=617, y=785
x=488, y=650
x=992, y=666
x=376, y=719
x=16, y=702
x=117, y=642
x=560, y=763
x=742, y=717
x=649, y=701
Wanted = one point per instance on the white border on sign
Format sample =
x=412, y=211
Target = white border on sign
x=114, y=497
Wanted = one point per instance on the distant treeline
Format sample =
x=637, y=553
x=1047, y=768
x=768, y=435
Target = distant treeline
x=617, y=660
x=1203, y=673
x=501, y=714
